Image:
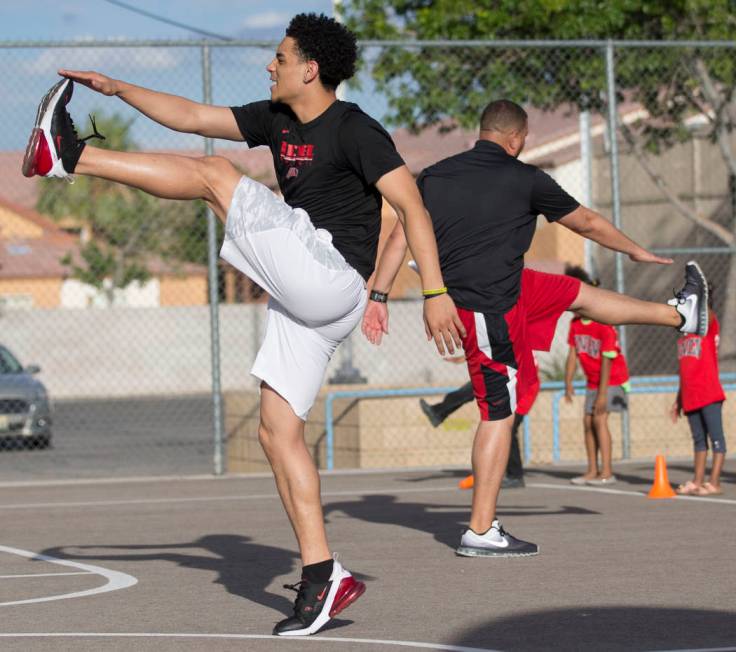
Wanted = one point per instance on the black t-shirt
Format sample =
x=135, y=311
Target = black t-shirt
x=328, y=167
x=484, y=206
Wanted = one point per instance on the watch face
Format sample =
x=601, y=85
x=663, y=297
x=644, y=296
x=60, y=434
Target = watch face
x=381, y=297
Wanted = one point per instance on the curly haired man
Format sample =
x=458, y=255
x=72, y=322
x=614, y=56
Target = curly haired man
x=311, y=251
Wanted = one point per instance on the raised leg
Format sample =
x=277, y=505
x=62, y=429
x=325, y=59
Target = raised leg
x=170, y=176
x=613, y=308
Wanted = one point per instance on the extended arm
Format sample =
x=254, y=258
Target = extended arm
x=440, y=316
x=172, y=111
x=597, y=228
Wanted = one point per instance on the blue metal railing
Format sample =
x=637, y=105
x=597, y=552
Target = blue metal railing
x=640, y=385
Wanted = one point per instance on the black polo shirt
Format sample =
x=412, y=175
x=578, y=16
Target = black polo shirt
x=484, y=206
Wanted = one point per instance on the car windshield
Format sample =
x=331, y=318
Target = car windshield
x=8, y=363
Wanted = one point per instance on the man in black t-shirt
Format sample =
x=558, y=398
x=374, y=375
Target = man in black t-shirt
x=484, y=205
x=311, y=252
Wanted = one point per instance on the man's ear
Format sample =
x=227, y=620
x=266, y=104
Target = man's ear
x=516, y=140
x=311, y=72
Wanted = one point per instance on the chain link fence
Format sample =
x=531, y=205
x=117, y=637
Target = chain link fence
x=145, y=339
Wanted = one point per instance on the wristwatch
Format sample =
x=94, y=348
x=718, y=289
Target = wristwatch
x=381, y=297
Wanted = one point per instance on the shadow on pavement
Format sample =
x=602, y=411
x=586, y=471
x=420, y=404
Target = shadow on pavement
x=444, y=522
x=643, y=478
x=637, y=476
x=606, y=629
x=244, y=568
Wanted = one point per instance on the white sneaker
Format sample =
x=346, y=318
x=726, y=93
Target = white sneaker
x=579, y=480
x=496, y=542
x=692, y=301
x=601, y=482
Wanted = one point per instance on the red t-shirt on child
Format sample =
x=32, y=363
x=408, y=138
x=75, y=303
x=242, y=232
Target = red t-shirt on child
x=698, y=356
x=591, y=340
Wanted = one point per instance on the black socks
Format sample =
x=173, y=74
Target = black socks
x=318, y=573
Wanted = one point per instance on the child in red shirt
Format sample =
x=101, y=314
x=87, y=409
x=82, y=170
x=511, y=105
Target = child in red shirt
x=701, y=398
x=596, y=347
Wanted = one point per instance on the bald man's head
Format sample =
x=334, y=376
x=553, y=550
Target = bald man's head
x=503, y=116
x=505, y=123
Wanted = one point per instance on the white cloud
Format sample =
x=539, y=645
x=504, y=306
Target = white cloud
x=267, y=19
x=144, y=58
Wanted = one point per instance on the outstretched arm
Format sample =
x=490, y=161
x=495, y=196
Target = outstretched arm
x=441, y=320
x=594, y=226
x=172, y=111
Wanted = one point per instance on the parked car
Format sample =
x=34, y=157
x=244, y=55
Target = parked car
x=25, y=412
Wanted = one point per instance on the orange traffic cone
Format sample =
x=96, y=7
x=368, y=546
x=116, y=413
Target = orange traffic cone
x=466, y=483
x=661, y=487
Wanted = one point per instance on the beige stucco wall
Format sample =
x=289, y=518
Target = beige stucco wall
x=554, y=242
x=46, y=292
x=381, y=433
x=183, y=290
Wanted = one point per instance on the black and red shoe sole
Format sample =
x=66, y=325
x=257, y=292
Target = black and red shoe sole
x=348, y=592
x=38, y=159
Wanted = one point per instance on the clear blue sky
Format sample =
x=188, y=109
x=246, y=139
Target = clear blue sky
x=239, y=76
x=73, y=19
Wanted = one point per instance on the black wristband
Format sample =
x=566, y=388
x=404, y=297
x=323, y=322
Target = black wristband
x=380, y=297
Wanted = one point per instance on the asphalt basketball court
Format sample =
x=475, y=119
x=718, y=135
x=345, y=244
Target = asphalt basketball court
x=199, y=564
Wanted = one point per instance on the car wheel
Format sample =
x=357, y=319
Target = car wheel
x=42, y=442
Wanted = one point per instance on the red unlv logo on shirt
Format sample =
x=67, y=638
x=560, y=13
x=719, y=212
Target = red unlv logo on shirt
x=689, y=347
x=294, y=157
x=296, y=154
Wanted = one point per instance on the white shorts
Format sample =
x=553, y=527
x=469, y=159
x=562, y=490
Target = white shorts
x=317, y=299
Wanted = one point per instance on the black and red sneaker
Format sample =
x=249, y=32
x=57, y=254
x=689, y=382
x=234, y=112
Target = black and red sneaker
x=54, y=147
x=316, y=603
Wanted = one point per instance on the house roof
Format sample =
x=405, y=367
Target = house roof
x=37, y=252
x=31, y=252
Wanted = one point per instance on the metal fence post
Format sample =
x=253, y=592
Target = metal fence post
x=616, y=211
x=586, y=158
x=213, y=286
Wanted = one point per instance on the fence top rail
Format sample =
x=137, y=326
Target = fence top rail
x=581, y=43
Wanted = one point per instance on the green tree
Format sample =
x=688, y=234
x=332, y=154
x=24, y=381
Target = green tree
x=426, y=85
x=128, y=228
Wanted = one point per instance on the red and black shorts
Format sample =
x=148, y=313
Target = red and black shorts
x=498, y=348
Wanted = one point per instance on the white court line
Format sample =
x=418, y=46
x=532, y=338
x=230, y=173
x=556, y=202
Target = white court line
x=294, y=639
x=10, y=577
x=328, y=494
x=115, y=579
x=701, y=649
x=639, y=494
x=200, y=499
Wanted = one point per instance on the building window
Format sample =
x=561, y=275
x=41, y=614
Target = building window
x=16, y=302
